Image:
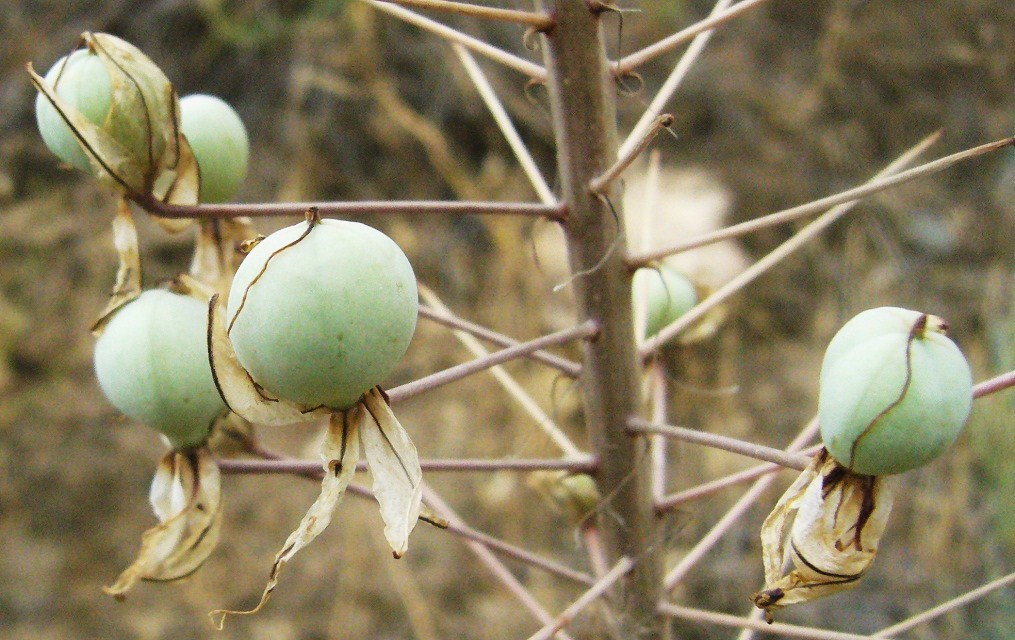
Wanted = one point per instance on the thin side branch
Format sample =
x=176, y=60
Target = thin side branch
x=670, y=85
x=787, y=248
x=312, y=468
x=569, y=368
x=748, y=500
x=538, y=21
x=594, y=593
x=725, y=443
x=534, y=71
x=629, y=63
x=585, y=330
x=491, y=561
x=411, y=207
x=500, y=116
x=510, y=385
x=950, y=605
x=995, y=384
x=601, y=183
x=674, y=500
x=886, y=179
x=781, y=628
x=772, y=219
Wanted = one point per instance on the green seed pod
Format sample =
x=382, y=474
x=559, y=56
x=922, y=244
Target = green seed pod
x=895, y=392
x=320, y=312
x=219, y=141
x=82, y=81
x=152, y=363
x=668, y=296
x=120, y=111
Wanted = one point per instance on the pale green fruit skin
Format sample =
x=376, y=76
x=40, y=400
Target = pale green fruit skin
x=152, y=363
x=669, y=295
x=86, y=85
x=219, y=141
x=328, y=318
x=863, y=377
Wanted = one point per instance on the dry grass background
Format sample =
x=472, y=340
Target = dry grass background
x=794, y=101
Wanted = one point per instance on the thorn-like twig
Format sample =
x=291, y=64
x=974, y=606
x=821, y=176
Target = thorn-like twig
x=410, y=207
x=629, y=63
x=601, y=183
x=808, y=233
x=312, y=468
x=585, y=330
x=538, y=21
x=534, y=71
x=673, y=81
x=569, y=368
x=716, y=441
x=594, y=593
x=950, y=605
x=781, y=628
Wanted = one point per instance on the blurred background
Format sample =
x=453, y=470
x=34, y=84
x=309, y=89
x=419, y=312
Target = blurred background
x=791, y=102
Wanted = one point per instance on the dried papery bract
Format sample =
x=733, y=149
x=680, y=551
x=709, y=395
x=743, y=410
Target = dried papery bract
x=340, y=453
x=829, y=523
x=137, y=148
x=185, y=495
x=128, y=274
x=394, y=465
x=218, y=250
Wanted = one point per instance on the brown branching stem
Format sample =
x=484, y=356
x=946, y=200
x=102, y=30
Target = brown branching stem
x=567, y=367
x=405, y=207
x=785, y=630
x=538, y=21
x=585, y=331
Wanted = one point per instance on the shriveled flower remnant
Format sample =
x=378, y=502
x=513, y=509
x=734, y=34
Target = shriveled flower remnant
x=895, y=392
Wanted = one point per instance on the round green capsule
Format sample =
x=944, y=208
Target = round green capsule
x=320, y=313
x=219, y=142
x=668, y=295
x=152, y=363
x=81, y=79
x=895, y=392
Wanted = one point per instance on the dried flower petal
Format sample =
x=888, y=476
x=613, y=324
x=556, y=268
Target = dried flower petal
x=218, y=250
x=394, y=465
x=340, y=453
x=238, y=389
x=185, y=496
x=833, y=520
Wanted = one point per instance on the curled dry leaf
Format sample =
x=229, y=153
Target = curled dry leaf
x=128, y=275
x=239, y=391
x=185, y=495
x=394, y=465
x=179, y=185
x=340, y=453
x=829, y=522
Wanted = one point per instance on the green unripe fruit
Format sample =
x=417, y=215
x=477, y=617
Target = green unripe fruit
x=318, y=317
x=85, y=84
x=668, y=296
x=895, y=392
x=152, y=363
x=219, y=141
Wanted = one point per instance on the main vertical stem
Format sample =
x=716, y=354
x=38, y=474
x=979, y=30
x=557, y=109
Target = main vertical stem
x=582, y=99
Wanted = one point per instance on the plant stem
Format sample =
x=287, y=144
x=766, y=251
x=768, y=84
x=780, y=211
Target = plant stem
x=539, y=21
x=585, y=330
x=413, y=207
x=312, y=468
x=567, y=367
x=583, y=107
